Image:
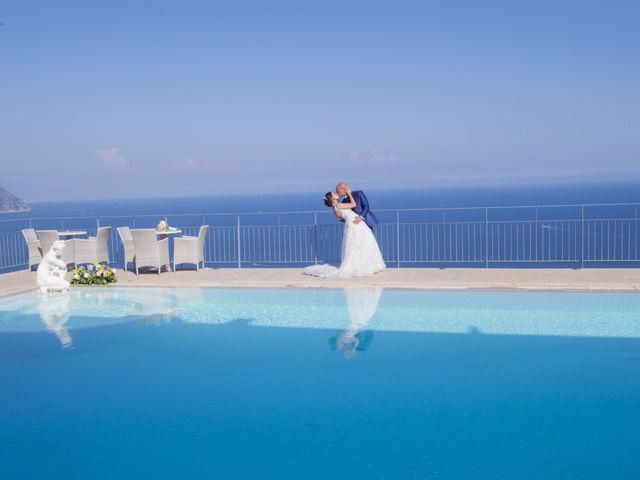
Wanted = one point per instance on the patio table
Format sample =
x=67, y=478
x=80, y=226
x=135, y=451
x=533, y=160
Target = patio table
x=71, y=233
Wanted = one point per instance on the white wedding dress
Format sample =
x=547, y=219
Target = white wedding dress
x=360, y=252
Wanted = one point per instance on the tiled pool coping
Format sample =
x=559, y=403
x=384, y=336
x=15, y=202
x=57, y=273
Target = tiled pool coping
x=407, y=278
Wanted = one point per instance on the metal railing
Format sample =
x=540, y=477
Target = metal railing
x=574, y=236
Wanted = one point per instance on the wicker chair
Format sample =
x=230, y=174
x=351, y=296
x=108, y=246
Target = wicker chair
x=47, y=237
x=127, y=242
x=33, y=246
x=94, y=249
x=150, y=252
x=190, y=249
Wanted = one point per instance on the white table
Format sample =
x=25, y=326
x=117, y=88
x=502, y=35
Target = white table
x=167, y=233
x=71, y=233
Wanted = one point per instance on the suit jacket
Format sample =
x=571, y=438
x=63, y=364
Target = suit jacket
x=362, y=208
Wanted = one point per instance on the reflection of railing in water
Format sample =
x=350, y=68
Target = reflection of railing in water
x=545, y=235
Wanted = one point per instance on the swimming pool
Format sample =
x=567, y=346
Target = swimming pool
x=233, y=383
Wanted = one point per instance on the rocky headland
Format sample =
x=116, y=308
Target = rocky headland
x=11, y=203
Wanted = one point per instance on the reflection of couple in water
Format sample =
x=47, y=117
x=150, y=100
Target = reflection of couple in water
x=348, y=342
x=361, y=307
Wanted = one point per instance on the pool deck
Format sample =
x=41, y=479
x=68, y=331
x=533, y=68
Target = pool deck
x=622, y=279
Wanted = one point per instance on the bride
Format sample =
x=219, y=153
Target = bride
x=360, y=252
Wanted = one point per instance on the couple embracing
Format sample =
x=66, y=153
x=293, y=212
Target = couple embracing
x=360, y=252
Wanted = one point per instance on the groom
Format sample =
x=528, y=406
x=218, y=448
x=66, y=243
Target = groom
x=362, y=205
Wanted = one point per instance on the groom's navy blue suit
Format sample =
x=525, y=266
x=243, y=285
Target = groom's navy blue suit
x=362, y=208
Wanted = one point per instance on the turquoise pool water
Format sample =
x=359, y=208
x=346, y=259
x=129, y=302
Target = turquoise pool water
x=224, y=383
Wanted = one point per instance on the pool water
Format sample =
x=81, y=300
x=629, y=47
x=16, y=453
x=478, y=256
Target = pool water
x=231, y=383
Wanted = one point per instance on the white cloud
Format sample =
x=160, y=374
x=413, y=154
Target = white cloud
x=113, y=160
x=188, y=165
x=375, y=158
x=378, y=157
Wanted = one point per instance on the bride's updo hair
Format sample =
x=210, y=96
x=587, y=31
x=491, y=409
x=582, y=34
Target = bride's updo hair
x=328, y=199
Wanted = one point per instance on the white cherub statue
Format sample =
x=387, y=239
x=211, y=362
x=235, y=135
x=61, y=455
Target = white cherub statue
x=52, y=270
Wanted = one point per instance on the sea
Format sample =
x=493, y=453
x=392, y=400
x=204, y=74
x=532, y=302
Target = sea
x=566, y=225
x=427, y=198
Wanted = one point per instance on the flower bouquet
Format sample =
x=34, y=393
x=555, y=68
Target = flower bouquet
x=163, y=227
x=95, y=274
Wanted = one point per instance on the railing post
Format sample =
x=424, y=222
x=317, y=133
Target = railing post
x=238, y=242
x=635, y=256
x=536, y=232
x=486, y=238
x=315, y=238
x=444, y=235
x=398, y=238
x=97, y=223
x=582, y=236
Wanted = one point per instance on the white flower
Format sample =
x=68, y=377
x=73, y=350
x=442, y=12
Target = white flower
x=85, y=275
x=98, y=273
x=76, y=277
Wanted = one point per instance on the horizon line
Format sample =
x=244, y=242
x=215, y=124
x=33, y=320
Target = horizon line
x=374, y=188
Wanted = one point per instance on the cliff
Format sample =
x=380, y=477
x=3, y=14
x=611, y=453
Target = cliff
x=11, y=203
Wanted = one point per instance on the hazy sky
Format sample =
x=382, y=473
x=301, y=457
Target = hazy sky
x=125, y=98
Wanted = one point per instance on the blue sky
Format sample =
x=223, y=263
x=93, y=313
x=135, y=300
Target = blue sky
x=126, y=99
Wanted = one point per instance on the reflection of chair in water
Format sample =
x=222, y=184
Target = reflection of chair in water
x=361, y=306
x=54, y=313
x=192, y=305
x=169, y=305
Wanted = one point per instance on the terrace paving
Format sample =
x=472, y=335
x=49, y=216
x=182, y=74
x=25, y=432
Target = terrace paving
x=620, y=279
